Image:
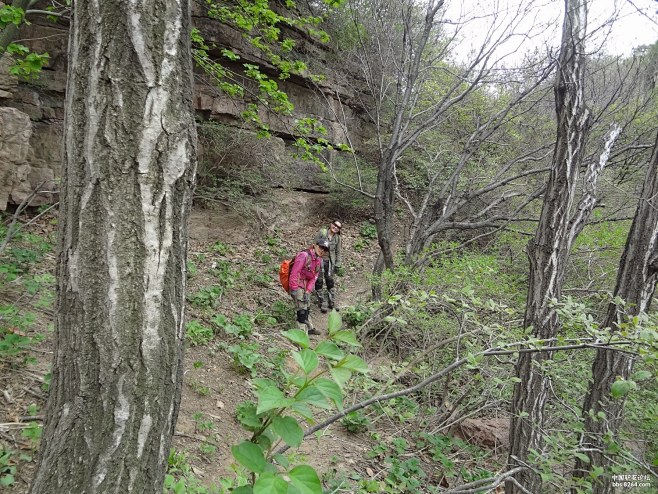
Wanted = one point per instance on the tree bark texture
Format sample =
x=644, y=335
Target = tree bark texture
x=129, y=164
x=549, y=249
x=636, y=282
x=384, y=211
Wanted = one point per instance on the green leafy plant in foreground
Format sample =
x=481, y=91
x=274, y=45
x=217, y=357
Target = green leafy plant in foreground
x=245, y=356
x=180, y=478
x=7, y=469
x=321, y=374
x=198, y=334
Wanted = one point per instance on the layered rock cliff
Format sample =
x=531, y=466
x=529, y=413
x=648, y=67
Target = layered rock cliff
x=32, y=112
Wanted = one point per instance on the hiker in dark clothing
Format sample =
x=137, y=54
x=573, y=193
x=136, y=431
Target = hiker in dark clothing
x=326, y=298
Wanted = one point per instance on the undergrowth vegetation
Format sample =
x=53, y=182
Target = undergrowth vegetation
x=27, y=292
x=458, y=317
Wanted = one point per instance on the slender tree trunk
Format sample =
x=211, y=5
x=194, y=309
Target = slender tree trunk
x=549, y=249
x=384, y=207
x=129, y=163
x=384, y=211
x=636, y=282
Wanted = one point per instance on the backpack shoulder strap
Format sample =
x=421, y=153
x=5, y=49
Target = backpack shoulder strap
x=308, y=259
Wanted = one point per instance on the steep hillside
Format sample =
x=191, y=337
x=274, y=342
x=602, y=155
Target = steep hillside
x=239, y=257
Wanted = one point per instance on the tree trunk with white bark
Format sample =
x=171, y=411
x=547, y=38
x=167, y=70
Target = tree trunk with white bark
x=549, y=249
x=636, y=283
x=129, y=164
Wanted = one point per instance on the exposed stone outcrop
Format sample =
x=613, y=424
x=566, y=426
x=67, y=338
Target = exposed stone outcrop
x=486, y=432
x=21, y=173
x=42, y=100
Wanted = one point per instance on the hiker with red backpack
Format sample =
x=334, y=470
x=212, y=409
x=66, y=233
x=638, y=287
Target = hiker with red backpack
x=303, y=275
x=326, y=298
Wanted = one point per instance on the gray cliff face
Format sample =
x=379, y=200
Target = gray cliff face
x=32, y=112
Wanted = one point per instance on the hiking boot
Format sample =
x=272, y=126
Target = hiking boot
x=314, y=331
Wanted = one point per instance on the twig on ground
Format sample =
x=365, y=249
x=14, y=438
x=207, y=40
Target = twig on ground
x=12, y=229
x=482, y=485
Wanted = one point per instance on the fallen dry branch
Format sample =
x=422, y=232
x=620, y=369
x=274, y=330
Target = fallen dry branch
x=588, y=343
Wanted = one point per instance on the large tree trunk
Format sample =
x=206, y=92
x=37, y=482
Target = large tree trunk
x=549, y=249
x=636, y=282
x=129, y=163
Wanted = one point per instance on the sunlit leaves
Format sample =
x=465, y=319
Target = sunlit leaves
x=10, y=15
x=270, y=483
x=250, y=456
x=269, y=396
x=318, y=382
x=298, y=337
x=306, y=359
x=621, y=388
x=305, y=479
x=329, y=350
x=288, y=429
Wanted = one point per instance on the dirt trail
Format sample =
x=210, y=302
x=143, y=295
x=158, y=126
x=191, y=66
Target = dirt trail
x=212, y=386
x=212, y=369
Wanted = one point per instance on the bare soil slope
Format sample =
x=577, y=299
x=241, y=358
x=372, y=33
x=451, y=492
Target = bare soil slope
x=249, y=250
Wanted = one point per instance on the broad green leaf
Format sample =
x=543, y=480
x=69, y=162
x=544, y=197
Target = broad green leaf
x=330, y=350
x=262, y=383
x=306, y=359
x=597, y=472
x=354, y=363
x=281, y=460
x=271, y=397
x=621, y=388
x=346, y=337
x=270, y=483
x=334, y=322
x=640, y=375
x=249, y=456
x=289, y=430
x=313, y=396
x=330, y=390
x=298, y=337
x=341, y=375
x=246, y=415
x=303, y=410
x=582, y=456
x=7, y=480
x=297, y=380
x=245, y=489
x=305, y=479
